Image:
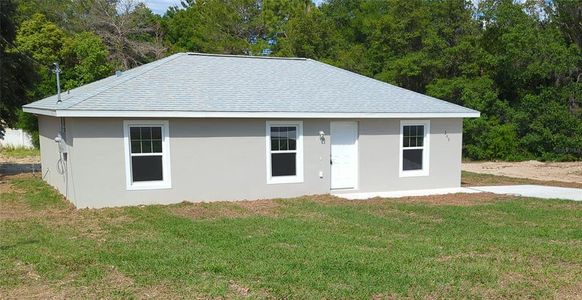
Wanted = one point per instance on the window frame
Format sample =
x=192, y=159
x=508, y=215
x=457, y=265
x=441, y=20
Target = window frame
x=166, y=183
x=298, y=177
x=425, y=149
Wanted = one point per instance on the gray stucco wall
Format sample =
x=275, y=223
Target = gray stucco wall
x=224, y=159
x=51, y=164
x=379, y=147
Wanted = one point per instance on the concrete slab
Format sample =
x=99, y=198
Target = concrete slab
x=398, y=194
x=536, y=191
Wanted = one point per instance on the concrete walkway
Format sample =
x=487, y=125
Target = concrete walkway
x=536, y=191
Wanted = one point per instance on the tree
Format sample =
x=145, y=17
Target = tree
x=85, y=59
x=43, y=41
x=518, y=62
x=234, y=26
x=310, y=36
x=131, y=31
x=17, y=74
x=229, y=27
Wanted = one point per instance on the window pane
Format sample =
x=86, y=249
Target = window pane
x=420, y=131
x=283, y=138
x=157, y=146
x=283, y=164
x=135, y=147
x=292, y=134
x=412, y=159
x=134, y=133
x=157, y=133
x=283, y=132
x=292, y=144
x=274, y=143
x=146, y=168
x=283, y=145
x=413, y=136
x=146, y=133
x=274, y=138
x=146, y=146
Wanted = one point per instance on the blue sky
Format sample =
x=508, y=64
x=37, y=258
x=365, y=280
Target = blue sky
x=160, y=6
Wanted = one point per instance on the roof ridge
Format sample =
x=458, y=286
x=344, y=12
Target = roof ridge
x=245, y=56
x=386, y=83
x=153, y=65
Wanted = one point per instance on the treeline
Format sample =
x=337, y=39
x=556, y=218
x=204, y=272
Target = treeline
x=518, y=62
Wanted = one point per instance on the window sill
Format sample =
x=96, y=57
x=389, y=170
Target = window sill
x=284, y=179
x=149, y=185
x=415, y=173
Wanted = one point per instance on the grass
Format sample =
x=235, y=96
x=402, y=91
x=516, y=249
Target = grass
x=456, y=246
x=19, y=152
x=476, y=179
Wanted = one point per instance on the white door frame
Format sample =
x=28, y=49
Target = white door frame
x=357, y=156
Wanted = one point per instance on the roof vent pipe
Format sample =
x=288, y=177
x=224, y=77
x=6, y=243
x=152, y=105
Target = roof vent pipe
x=118, y=73
x=57, y=71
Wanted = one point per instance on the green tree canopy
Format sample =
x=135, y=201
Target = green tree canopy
x=17, y=74
x=518, y=62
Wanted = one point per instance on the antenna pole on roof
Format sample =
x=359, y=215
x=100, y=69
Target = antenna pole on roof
x=57, y=71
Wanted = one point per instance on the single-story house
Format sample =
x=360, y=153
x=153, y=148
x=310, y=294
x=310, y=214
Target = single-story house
x=204, y=127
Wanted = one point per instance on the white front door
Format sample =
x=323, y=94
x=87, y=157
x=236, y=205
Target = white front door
x=344, y=155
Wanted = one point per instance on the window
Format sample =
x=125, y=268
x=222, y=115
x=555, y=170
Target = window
x=414, y=148
x=147, y=154
x=284, y=152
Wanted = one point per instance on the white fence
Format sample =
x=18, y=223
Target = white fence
x=16, y=138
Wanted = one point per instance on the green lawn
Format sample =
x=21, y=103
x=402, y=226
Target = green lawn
x=478, y=246
x=19, y=152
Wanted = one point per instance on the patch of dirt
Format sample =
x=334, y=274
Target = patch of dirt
x=88, y=223
x=544, y=171
x=463, y=256
x=461, y=199
x=5, y=187
x=116, y=278
x=21, y=160
x=573, y=291
x=239, y=289
x=38, y=287
x=216, y=210
x=386, y=297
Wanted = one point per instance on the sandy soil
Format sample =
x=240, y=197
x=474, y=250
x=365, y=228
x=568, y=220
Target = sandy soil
x=556, y=171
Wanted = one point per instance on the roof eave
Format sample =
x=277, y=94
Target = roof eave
x=40, y=111
x=282, y=115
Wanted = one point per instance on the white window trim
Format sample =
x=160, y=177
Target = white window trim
x=425, y=152
x=148, y=185
x=298, y=178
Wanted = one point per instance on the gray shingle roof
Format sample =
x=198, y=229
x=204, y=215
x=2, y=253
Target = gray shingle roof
x=191, y=82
